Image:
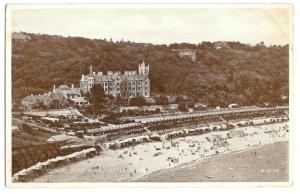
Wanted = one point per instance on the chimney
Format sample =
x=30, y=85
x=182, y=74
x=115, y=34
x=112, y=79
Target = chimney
x=54, y=88
x=72, y=85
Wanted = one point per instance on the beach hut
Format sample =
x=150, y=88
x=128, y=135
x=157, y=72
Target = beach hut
x=207, y=130
x=154, y=137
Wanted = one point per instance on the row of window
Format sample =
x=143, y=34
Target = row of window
x=137, y=94
x=130, y=94
x=118, y=83
x=118, y=89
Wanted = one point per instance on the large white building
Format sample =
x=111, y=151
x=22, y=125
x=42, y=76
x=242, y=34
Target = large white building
x=128, y=84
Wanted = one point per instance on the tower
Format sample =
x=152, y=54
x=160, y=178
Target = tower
x=143, y=68
x=91, y=69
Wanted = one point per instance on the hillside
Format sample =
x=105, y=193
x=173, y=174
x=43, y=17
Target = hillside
x=241, y=73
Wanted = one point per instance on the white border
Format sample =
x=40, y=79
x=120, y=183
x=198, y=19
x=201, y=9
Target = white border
x=186, y=185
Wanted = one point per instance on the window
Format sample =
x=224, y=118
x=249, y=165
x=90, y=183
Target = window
x=146, y=93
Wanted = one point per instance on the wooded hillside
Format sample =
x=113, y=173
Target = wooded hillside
x=239, y=74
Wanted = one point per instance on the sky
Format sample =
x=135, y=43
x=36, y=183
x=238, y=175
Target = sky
x=159, y=24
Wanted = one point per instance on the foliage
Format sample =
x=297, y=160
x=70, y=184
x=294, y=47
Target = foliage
x=161, y=100
x=138, y=101
x=97, y=99
x=241, y=73
x=182, y=107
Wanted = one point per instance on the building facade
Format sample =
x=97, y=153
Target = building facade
x=57, y=98
x=128, y=84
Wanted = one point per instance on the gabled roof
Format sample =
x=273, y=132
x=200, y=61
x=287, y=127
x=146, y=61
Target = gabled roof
x=36, y=97
x=64, y=87
x=27, y=98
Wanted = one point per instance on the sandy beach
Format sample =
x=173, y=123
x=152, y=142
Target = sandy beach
x=266, y=163
x=138, y=162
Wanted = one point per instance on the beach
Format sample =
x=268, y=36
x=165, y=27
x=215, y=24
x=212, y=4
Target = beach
x=188, y=155
x=267, y=163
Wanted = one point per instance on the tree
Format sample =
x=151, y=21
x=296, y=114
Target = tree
x=138, y=101
x=169, y=74
x=41, y=105
x=162, y=100
x=179, y=99
x=120, y=101
x=97, y=99
x=182, y=107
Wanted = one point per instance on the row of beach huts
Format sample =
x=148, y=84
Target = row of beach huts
x=131, y=141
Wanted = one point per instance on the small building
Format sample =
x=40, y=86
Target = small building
x=233, y=105
x=61, y=138
x=36, y=101
x=50, y=119
x=221, y=44
x=57, y=98
x=171, y=99
x=79, y=101
x=190, y=53
x=66, y=91
x=90, y=140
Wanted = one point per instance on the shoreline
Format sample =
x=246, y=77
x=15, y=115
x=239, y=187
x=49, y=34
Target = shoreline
x=136, y=163
x=204, y=161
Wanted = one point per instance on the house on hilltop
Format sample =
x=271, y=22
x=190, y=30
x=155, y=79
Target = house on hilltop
x=221, y=44
x=190, y=53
